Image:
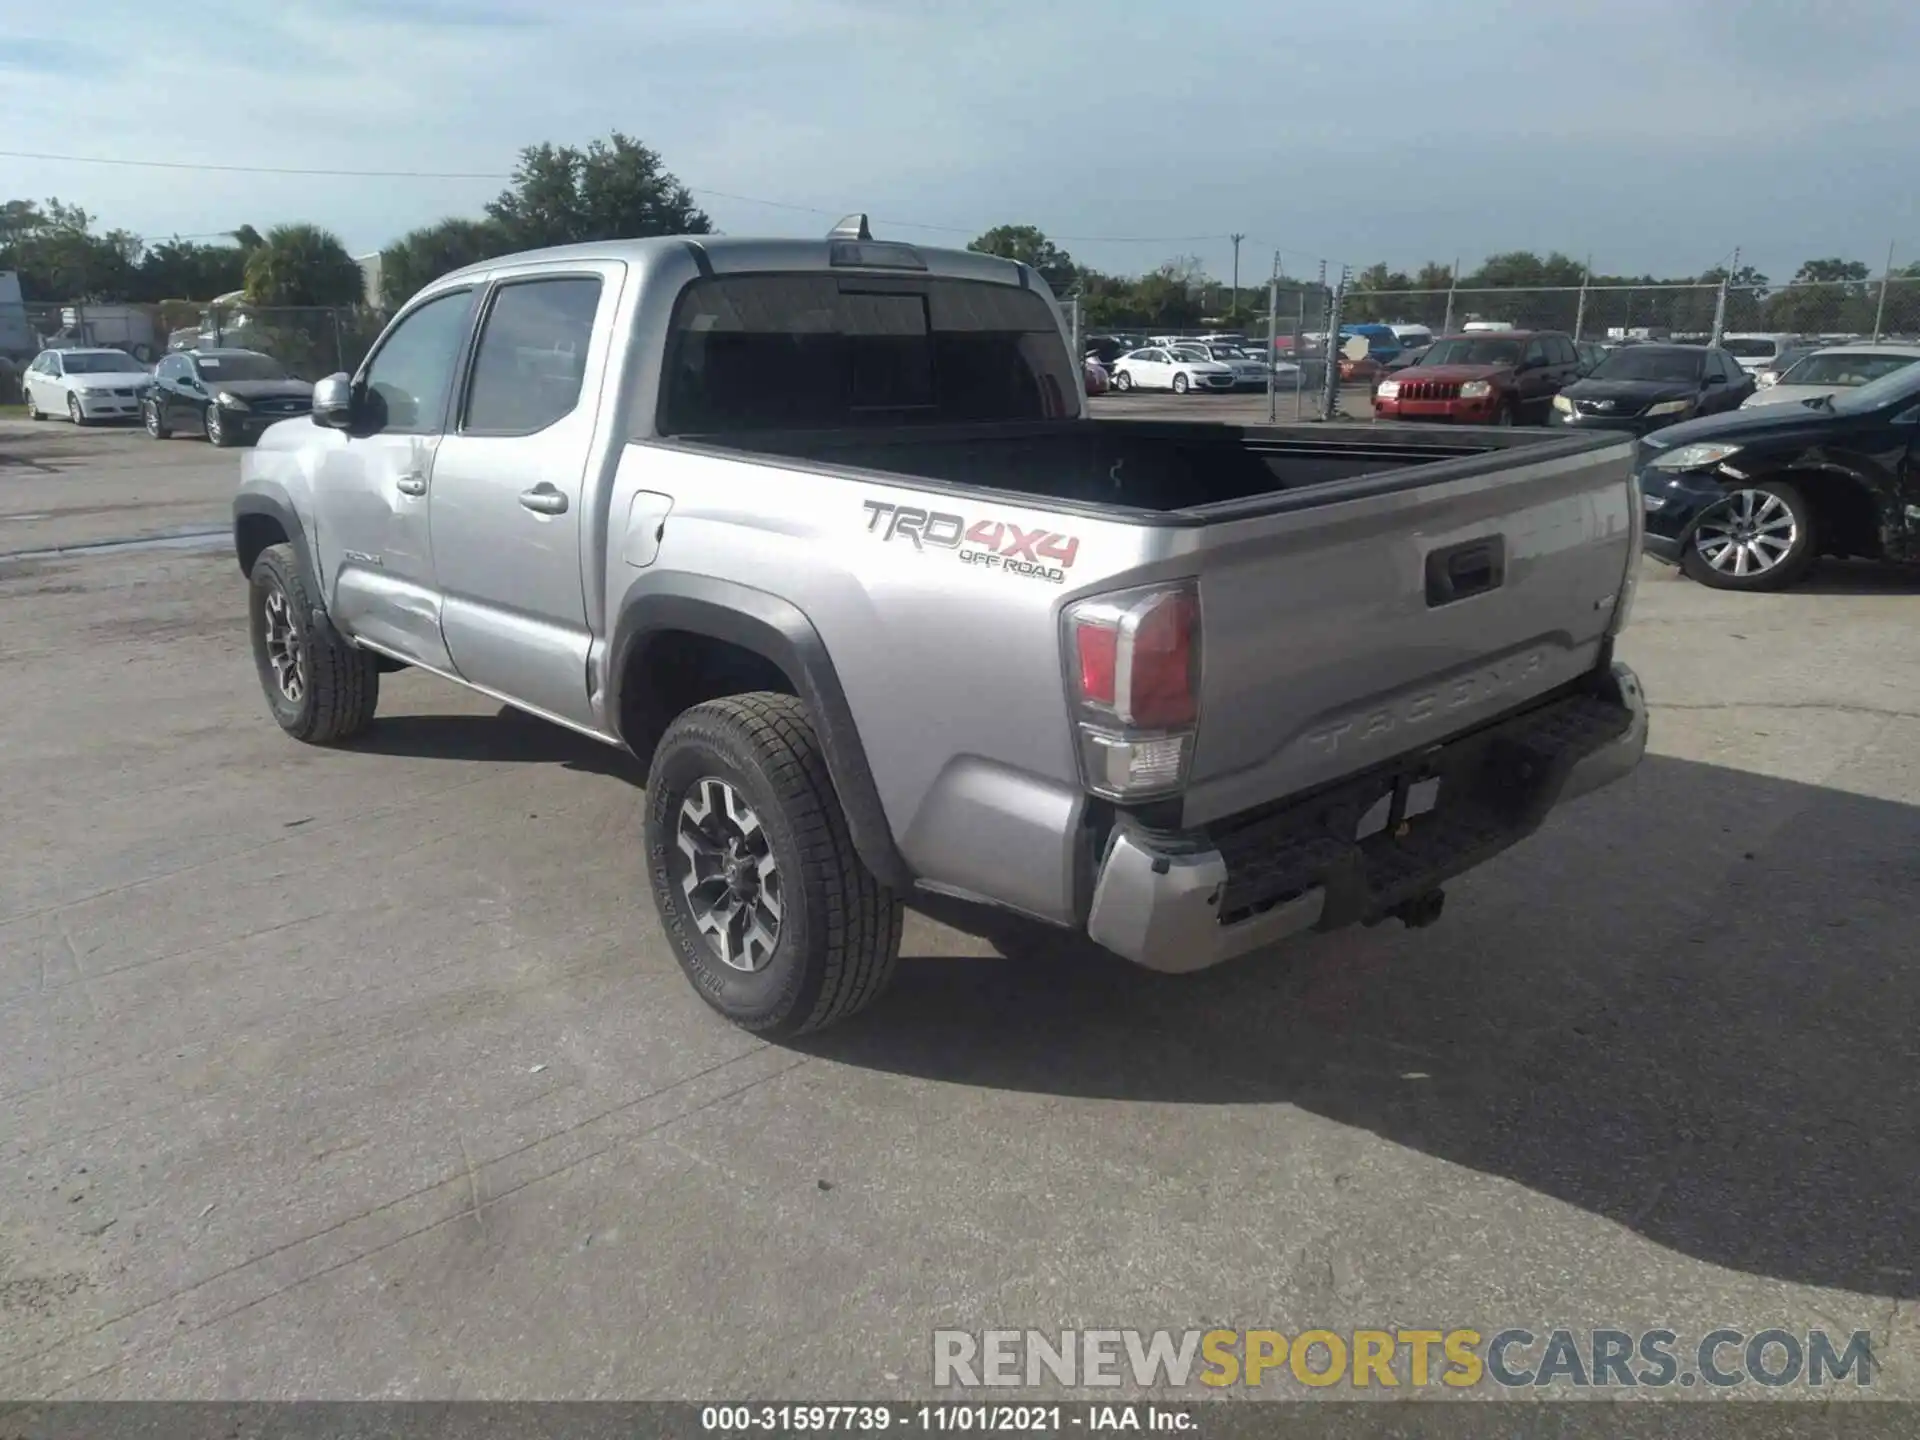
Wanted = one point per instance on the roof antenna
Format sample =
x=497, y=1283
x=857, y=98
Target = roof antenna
x=853, y=227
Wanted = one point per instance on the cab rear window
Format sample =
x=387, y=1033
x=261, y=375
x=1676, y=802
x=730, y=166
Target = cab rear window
x=804, y=352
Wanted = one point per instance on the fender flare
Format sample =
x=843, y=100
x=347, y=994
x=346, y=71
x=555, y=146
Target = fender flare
x=780, y=633
x=277, y=507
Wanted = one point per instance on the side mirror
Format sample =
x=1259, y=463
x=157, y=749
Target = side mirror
x=333, y=402
x=1716, y=379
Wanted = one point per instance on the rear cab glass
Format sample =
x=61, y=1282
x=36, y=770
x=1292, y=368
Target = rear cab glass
x=806, y=351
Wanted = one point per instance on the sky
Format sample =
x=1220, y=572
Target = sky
x=1653, y=135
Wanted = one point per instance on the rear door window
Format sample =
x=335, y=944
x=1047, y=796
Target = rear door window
x=804, y=351
x=528, y=367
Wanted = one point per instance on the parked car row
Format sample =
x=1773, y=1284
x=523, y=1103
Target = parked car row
x=1196, y=367
x=227, y=395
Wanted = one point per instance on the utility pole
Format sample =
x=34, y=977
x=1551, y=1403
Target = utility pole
x=1453, y=283
x=1273, y=333
x=1235, y=305
x=1880, y=310
x=1580, y=311
x=1330, y=395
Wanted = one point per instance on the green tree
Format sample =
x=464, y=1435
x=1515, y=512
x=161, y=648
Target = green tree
x=184, y=270
x=1028, y=245
x=58, y=257
x=422, y=256
x=1824, y=295
x=303, y=265
x=614, y=189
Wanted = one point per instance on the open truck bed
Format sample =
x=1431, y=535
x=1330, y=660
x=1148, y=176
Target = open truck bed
x=1177, y=469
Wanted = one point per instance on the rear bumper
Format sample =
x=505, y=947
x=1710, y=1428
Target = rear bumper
x=1354, y=852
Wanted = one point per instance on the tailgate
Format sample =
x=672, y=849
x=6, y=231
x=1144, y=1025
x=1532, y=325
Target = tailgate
x=1341, y=634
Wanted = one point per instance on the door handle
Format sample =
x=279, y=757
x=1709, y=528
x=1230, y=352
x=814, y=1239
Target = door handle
x=543, y=499
x=411, y=484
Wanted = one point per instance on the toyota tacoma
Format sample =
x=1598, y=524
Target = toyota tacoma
x=821, y=531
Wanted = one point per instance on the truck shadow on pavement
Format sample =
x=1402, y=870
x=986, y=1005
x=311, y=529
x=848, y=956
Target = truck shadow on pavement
x=509, y=736
x=1687, y=1005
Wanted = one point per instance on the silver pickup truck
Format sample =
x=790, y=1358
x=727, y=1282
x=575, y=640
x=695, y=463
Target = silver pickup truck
x=821, y=531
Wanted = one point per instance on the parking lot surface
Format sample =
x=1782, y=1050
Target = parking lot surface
x=368, y=1073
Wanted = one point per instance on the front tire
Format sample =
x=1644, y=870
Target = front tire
x=155, y=423
x=74, y=412
x=34, y=412
x=1180, y=384
x=218, y=435
x=1122, y=380
x=320, y=689
x=1762, y=536
x=769, y=909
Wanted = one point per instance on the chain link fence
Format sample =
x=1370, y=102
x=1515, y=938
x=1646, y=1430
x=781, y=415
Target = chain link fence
x=1887, y=309
x=311, y=342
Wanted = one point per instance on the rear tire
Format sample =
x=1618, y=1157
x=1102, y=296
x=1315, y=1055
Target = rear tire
x=740, y=811
x=320, y=689
x=1764, y=527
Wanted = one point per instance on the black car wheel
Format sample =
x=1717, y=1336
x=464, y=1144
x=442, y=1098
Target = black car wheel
x=1759, y=537
x=156, y=423
x=319, y=688
x=767, y=905
x=216, y=427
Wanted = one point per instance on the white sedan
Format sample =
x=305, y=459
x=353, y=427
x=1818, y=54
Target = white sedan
x=85, y=385
x=1839, y=368
x=1161, y=369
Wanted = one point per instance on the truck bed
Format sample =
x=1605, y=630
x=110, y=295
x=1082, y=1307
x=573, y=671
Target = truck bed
x=1197, y=469
x=1366, y=590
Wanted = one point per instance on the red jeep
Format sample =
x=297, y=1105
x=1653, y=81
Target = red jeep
x=1505, y=377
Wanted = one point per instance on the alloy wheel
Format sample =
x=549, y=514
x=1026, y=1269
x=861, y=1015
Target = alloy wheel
x=284, y=647
x=725, y=868
x=1748, y=533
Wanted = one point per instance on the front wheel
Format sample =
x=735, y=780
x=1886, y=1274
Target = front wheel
x=1122, y=380
x=1760, y=537
x=320, y=689
x=216, y=426
x=769, y=909
x=34, y=412
x=155, y=423
x=74, y=412
x=1180, y=384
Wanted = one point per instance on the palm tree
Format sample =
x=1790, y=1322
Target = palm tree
x=303, y=265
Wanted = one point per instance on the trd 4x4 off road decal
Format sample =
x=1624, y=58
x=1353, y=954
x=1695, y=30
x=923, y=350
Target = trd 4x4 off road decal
x=992, y=544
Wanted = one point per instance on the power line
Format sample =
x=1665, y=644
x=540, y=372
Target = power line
x=497, y=175
x=256, y=169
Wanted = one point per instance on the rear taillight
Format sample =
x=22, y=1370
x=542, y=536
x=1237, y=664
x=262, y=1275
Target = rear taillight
x=1133, y=666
